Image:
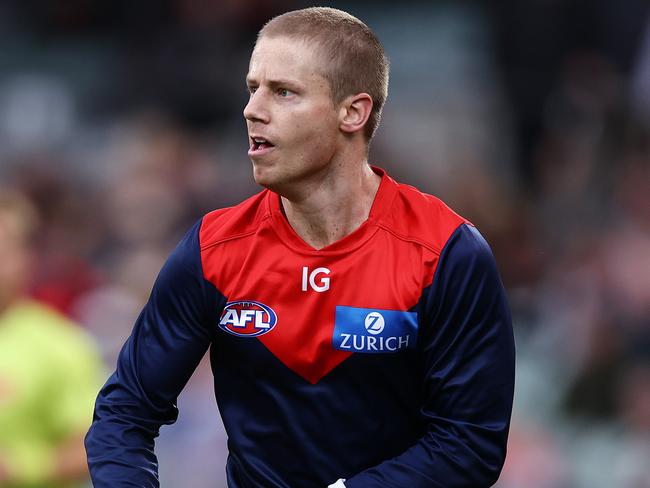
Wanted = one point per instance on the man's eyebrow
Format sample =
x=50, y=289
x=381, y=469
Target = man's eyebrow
x=284, y=82
x=276, y=82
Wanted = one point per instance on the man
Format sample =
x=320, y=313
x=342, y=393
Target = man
x=49, y=370
x=359, y=331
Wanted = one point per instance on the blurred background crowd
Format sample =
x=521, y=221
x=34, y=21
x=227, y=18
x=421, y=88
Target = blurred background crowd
x=121, y=124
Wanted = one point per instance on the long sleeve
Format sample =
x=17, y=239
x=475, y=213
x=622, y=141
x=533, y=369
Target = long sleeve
x=167, y=342
x=468, y=377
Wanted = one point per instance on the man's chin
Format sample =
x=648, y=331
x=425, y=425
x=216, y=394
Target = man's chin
x=270, y=180
x=263, y=176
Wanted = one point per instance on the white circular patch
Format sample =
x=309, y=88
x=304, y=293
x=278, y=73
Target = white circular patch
x=374, y=323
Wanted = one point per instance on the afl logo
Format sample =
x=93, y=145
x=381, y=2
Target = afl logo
x=247, y=318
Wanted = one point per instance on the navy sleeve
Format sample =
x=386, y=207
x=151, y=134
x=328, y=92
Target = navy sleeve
x=468, y=377
x=168, y=340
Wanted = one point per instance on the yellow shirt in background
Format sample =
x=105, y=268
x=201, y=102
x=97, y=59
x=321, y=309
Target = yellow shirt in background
x=50, y=372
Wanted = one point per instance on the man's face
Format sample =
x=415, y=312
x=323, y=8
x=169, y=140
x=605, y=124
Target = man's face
x=293, y=125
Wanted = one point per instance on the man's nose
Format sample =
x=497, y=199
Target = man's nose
x=255, y=109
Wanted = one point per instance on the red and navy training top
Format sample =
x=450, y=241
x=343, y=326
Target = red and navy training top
x=386, y=358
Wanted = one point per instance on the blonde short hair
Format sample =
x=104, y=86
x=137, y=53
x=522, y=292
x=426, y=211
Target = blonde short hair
x=355, y=61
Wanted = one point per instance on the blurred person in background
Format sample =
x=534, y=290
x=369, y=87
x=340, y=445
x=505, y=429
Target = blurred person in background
x=49, y=369
x=359, y=330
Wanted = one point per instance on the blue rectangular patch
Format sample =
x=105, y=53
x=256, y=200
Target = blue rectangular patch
x=374, y=331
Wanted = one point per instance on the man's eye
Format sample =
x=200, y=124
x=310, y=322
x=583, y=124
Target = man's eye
x=252, y=89
x=283, y=92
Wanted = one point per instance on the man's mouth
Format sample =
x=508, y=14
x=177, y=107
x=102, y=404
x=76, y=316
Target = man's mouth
x=259, y=144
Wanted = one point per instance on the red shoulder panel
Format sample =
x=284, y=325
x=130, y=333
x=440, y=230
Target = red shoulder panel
x=423, y=219
x=233, y=222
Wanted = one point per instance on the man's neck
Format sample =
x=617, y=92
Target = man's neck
x=334, y=205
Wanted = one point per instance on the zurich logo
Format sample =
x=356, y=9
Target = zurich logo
x=374, y=331
x=374, y=323
x=246, y=318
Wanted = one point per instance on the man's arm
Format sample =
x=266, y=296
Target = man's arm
x=468, y=357
x=168, y=340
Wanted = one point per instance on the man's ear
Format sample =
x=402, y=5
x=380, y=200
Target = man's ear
x=354, y=112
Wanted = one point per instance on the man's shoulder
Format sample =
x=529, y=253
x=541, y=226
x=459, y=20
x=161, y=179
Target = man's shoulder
x=422, y=218
x=234, y=222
